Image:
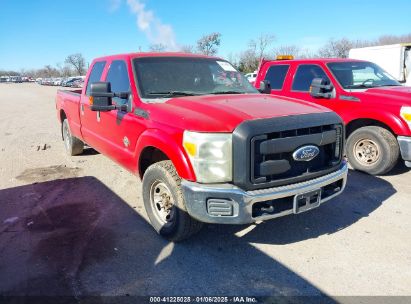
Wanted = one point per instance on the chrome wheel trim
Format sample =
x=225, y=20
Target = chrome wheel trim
x=162, y=201
x=366, y=152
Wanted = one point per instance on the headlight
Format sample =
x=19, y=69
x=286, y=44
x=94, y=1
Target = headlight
x=210, y=155
x=406, y=115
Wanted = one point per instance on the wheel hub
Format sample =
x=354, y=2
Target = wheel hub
x=162, y=200
x=366, y=152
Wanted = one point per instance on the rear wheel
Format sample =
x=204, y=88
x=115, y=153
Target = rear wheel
x=165, y=204
x=73, y=145
x=373, y=150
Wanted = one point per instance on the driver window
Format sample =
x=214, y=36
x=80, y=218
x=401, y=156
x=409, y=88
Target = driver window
x=305, y=75
x=118, y=77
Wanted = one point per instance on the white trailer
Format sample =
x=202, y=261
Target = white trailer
x=394, y=58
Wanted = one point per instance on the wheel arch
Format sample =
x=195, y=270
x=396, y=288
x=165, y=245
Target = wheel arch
x=388, y=122
x=155, y=145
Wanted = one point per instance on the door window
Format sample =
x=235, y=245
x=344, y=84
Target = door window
x=276, y=75
x=95, y=74
x=305, y=75
x=118, y=77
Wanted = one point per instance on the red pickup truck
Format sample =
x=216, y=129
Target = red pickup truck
x=376, y=108
x=207, y=145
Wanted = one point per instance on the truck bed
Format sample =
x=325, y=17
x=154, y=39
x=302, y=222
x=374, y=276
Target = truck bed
x=68, y=105
x=73, y=92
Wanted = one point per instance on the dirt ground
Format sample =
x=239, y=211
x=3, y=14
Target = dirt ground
x=76, y=226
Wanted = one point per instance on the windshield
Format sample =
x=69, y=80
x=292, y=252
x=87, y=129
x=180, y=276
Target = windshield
x=163, y=77
x=361, y=75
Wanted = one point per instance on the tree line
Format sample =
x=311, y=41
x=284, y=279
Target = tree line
x=262, y=46
x=74, y=65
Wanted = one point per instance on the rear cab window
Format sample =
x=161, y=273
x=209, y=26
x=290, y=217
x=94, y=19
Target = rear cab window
x=95, y=74
x=304, y=76
x=276, y=75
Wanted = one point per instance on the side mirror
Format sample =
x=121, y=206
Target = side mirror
x=321, y=88
x=102, y=97
x=265, y=87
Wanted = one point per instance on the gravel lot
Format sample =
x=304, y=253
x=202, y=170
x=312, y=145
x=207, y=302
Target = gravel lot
x=76, y=226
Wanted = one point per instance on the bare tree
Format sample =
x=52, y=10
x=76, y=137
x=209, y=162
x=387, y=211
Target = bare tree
x=393, y=39
x=78, y=62
x=336, y=48
x=187, y=48
x=261, y=44
x=291, y=49
x=248, y=61
x=208, y=44
x=157, y=47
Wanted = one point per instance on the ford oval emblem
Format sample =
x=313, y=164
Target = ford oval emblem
x=306, y=153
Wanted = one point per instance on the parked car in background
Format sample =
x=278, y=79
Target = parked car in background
x=251, y=76
x=4, y=78
x=16, y=79
x=78, y=83
x=375, y=107
x=57, y=81
x=69, y=82
x=394, y=58
x=207, y=145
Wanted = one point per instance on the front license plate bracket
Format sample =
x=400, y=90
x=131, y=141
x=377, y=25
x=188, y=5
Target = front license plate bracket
x=307, y=201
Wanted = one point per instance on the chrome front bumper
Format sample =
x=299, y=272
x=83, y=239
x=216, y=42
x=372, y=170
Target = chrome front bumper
x=228, y=204
x=405, y=147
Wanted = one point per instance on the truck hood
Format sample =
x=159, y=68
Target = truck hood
x=223, y=113
x=395, y=95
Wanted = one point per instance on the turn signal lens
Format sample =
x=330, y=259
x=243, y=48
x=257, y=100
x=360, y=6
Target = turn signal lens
x=405, y=113
x=407, y=116
x=190, y=148
x=90, y=100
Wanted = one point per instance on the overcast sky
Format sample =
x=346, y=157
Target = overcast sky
x=34, y=33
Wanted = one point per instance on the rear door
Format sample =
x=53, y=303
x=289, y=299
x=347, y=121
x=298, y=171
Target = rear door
x=277, y=74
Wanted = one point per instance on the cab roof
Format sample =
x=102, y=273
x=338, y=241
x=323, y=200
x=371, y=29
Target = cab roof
x=316, y=60
x=154, y=54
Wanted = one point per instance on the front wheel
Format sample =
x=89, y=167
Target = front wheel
x=165, y=204
x=373, y=150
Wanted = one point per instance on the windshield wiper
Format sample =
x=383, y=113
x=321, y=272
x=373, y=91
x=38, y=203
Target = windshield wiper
x=387, y=85
x=173, y=93
x=227, y=92
x=359, y=86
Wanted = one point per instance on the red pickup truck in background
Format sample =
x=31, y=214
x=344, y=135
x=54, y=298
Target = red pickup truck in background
x=376, y=108
x=208, y=146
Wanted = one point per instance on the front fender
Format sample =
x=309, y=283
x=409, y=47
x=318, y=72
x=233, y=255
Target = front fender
x=394, y=122
x=170, y=145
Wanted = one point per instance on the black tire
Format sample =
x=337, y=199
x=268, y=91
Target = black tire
x=73, y=145
x=180, y=225
x=373, y=139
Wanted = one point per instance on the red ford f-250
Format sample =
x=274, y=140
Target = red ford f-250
x=374, y=106
x=207, y=145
